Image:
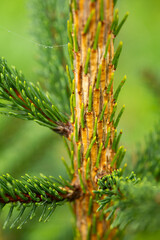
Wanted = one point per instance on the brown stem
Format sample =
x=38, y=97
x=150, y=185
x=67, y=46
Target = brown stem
x=64, y=129
x=70, y=196
x=92, y=225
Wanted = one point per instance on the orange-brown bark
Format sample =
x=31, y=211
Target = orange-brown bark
x=92, y=225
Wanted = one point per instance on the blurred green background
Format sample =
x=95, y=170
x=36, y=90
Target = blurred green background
x=27, y=147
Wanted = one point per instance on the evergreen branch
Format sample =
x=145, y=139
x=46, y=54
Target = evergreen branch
x=49, y=20
x=130, y=202
x=25, y=100
x=109, y=185
x=34, y=192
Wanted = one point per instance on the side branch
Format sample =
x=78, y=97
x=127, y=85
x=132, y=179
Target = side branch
x=25, y=100
x=36, y=190
x=29, y=193
x=128, y=201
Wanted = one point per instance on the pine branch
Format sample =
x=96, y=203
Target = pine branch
x=109, y=185
x=25, y=100
x=49, y=20
x=32, y=192
x=130, y=202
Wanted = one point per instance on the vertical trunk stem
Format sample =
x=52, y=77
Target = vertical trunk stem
x=92, y=110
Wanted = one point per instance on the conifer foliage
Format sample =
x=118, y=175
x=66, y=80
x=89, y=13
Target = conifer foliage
x=81, y=105
x=27, y=101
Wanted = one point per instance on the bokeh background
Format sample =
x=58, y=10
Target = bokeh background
x=26, y=147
